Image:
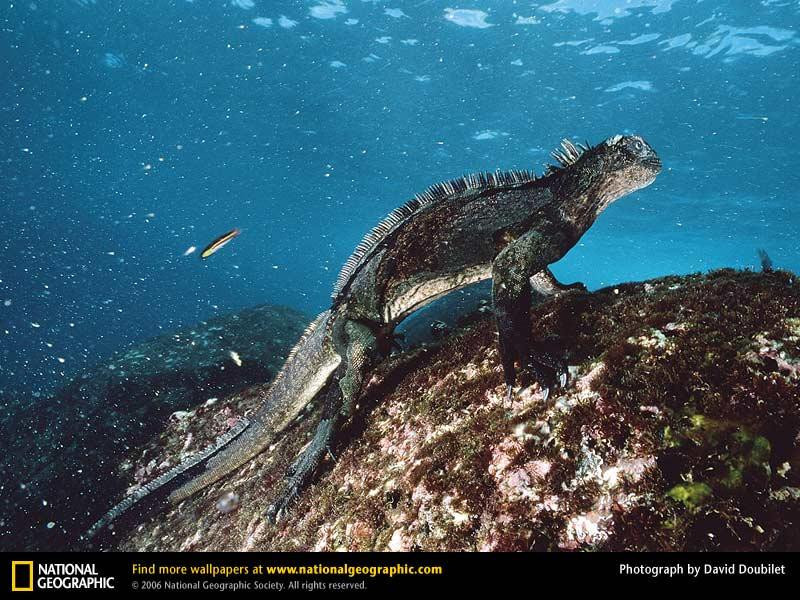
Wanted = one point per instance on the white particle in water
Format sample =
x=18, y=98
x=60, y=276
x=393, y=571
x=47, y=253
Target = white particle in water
x=228, y=503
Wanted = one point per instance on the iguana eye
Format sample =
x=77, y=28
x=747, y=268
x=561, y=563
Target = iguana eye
x=636, y=146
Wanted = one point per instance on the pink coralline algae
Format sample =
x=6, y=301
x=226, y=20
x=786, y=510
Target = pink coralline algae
x=585, y=382
x=650, y=447
x=585, y=530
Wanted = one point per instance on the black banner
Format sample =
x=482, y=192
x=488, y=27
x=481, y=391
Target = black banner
x=278, y=573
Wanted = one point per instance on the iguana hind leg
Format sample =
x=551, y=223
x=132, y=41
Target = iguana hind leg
x=546, y=284
x=518, y=269
x=358, y=347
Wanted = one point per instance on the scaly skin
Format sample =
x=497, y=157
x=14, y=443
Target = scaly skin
x=506, y=226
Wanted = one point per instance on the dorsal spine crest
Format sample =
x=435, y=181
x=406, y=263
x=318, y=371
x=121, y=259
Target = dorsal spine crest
x=566, y=156
x=436, y=192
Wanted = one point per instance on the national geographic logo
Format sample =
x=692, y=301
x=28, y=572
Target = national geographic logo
x=27, y=576
x=21, y=575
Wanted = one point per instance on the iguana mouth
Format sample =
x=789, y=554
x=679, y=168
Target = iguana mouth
x=654, y=162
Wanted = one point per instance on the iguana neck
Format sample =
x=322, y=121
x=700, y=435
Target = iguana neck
x=582, y=198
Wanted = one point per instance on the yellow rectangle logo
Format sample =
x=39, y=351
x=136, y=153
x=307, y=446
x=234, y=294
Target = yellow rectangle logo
x=18, y=566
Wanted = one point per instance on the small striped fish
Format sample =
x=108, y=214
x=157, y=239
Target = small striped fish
x=219, y=243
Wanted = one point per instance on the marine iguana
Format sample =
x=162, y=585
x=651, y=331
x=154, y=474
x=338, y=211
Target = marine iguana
x=507, y=226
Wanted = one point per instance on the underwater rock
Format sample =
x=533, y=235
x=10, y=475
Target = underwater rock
x=63, y=463
x=678, y=431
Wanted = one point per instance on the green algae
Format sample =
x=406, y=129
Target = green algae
x=691, y=495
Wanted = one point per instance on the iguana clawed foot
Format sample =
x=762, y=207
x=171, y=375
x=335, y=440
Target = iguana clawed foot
x=549, y=371
x=296, y=477
x=277, y=509
x=301, y=470
x=289, y=494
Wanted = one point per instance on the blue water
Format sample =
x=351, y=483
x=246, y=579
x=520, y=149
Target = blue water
x=132, y=131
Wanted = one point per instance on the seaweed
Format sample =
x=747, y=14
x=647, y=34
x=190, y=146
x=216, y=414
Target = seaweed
x=679, y=431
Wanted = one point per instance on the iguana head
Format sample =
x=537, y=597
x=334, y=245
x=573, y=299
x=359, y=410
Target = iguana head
x=592, y=177
x=620, y=165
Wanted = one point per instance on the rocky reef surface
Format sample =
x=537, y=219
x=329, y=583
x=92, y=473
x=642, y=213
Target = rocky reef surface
x=678, y=431
x=60, y=464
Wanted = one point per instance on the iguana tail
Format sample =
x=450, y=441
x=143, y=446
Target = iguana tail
x=307, y=369
x=305, y=372
x=165, y=478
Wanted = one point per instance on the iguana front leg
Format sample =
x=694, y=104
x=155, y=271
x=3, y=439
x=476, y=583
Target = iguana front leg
x=512, y=271
x=357, y=345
